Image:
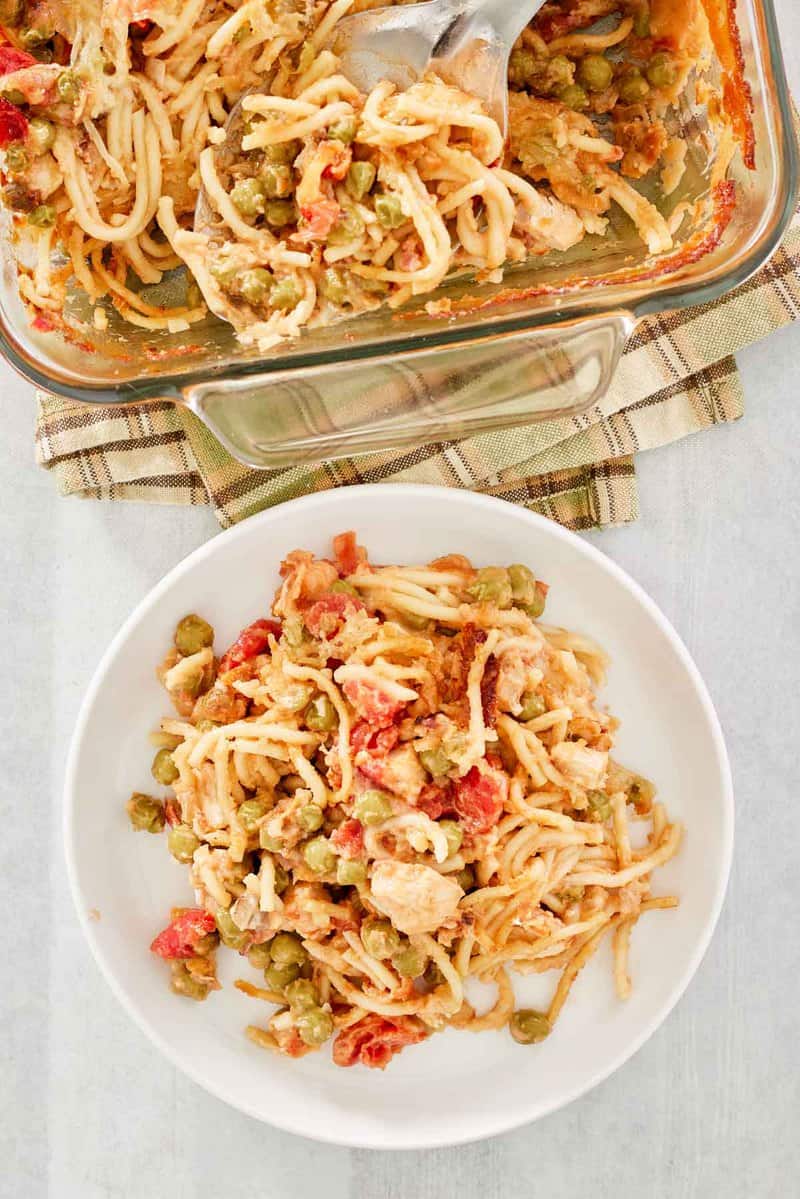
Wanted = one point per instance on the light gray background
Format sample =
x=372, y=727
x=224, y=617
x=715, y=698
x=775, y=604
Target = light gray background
x=709, y=1107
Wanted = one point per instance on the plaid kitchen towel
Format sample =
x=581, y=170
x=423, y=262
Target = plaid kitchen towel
x=676, y=377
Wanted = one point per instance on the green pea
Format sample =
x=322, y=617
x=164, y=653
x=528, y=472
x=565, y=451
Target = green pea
x=662, y=70
x=465, y=878
x=380, y=938
x=314, y=1026
x=560, y=73
x=287, y=293
x=163, y=768
x=280, y=974
x=68, y=86
x=17, y=158
x=319, y=856
x=332, y=286
x=255, y=285
x=342, y=587
x=273, y=844
x=320, y=715
x=259, y=956
x=360, y=178
x=348, y=228
x=491, y=585
x=454, y=834
x=310, y=818
x=389, y=211
x=523, y=65
x=248, y=195
x=282, y=153
x=595, y=72
x=145, y=813
x=193, y=634
x=43, y=216
x=225, y=273
x=414, y=621
x=349, y=873
x=182, y=843
x=373, y=807
x=41, y=134
x=286, y=948
x=532, y=706
x=435, y=761
x=277, y=180
x=344, y=130
x=184, y=982
x=536, y=607
x=302, y=994
x=573, y=96
x=282, y=879
x=281, y=212
x=408, y=962
x=599, y=805
x=205, y=726
x=230, y=933
x=165, y=740
x=528, y=1026
x=523, y=584
x=633, y=88
x=250, y=813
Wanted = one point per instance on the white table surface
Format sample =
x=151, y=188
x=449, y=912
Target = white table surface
x=709, y=1107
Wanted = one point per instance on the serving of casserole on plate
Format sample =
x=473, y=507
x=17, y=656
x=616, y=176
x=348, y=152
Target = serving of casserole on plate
x=385, y=837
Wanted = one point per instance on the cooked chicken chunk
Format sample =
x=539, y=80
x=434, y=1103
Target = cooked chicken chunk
x=417, y=899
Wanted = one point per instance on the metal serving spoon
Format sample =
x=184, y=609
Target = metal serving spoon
x=466, y=42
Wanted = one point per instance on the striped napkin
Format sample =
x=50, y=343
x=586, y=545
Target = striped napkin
x=677, y=376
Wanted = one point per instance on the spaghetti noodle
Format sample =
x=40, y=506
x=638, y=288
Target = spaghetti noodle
x=398, y=783
x=322, y=202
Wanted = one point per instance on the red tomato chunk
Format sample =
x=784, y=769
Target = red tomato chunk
x=251, y=641
x=374, y=1040
x=181, y=938
x=479, y=798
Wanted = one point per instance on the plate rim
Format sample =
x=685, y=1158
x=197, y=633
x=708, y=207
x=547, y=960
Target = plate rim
x=540, y=1108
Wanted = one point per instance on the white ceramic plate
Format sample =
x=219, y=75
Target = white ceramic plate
x=457, y=1086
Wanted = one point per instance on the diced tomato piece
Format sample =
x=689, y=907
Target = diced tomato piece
x=318, y=220
x=376, y=741
x=181, y=938
x=13, y=124
x=341, y=157
x=434, y=800
x=42, y=323
x=172, y=811
x=251, y=641
x=374, y=1040
x=348, y=554
x=372, y=702
x=348, y=839
x=12, y=59
x=479, y=798
x=325, y=617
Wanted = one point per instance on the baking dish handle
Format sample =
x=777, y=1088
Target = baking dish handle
x=287, y=417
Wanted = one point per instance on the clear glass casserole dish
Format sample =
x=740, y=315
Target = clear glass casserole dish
x=545, y=342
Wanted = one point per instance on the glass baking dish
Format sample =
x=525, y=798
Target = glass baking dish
x=543, y=343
